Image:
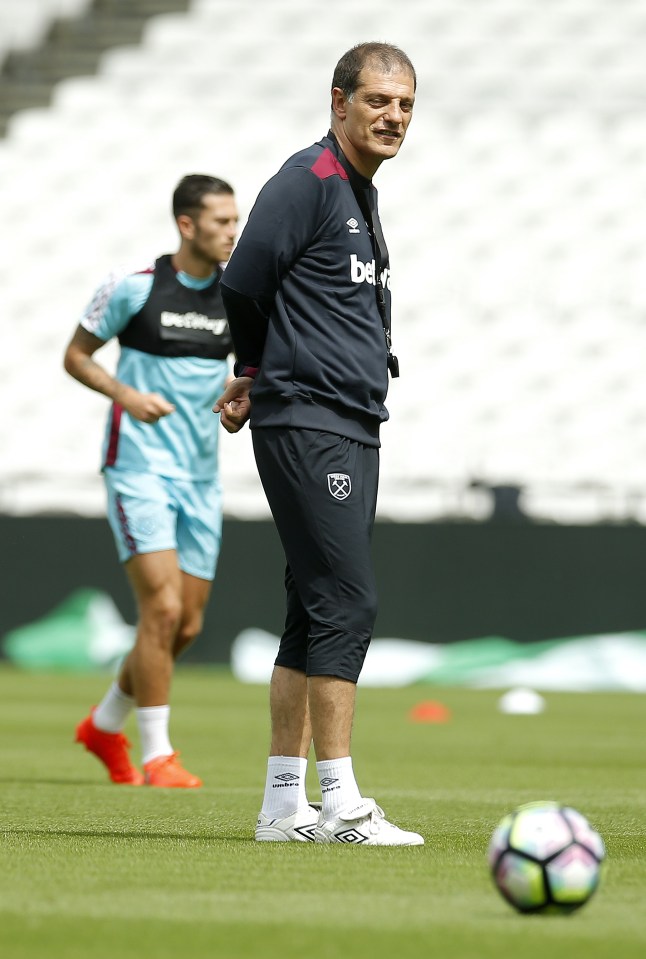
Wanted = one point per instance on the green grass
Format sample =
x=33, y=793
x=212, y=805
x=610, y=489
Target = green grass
x=96, y=871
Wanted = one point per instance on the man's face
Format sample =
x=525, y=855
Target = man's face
x=373, y=123
x=215, y=227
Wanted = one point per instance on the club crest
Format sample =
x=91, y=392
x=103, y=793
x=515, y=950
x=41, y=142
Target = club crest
x=339, y=485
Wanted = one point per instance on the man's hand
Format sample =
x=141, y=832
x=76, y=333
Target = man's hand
x=145, y=407
x=80, y=363
x=234, y=406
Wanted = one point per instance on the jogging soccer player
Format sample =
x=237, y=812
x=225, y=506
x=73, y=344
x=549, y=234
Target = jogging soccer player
x=160, y=464
x=307, y=295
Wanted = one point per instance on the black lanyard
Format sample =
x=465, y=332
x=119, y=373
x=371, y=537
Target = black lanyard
x=379, y=250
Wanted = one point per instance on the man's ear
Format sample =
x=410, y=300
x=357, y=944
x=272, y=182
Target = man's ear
x=339, y=103
x=186, y=226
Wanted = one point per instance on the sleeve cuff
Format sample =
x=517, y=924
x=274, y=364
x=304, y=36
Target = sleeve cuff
x=240, y=369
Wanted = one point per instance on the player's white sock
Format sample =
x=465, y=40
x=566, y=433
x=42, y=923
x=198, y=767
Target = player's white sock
x=153, y=731
x=113, y=710
x=339, y=788
x=284, y=786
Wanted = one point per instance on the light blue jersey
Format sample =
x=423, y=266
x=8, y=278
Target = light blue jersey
x=184, y=444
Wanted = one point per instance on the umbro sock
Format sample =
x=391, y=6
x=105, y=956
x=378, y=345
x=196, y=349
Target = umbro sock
x=284, y=786
x=339, y=788
x=113, y=710
x=153, y=731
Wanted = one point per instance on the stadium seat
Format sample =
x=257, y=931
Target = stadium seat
x=24, y=23
x=513, y=218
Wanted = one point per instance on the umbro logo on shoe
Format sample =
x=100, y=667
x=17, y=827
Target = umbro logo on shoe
x=299, y=827
x=367, y=825
x=350, y=835
x=307, y=832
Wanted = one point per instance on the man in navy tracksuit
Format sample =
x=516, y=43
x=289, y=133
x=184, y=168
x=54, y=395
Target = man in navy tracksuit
x=307, y=296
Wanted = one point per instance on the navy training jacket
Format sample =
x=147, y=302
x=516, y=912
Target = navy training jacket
x=299, y=292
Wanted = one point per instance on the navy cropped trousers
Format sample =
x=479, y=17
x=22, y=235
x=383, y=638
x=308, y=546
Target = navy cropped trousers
x=322, y=492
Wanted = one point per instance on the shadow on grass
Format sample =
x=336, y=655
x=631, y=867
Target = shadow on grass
x=102, y=784
x=124, y=834
x=36, y=781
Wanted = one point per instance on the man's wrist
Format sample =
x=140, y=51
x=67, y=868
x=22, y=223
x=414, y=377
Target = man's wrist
x=121, y=393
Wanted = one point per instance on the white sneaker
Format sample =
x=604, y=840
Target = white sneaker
x=366, y=825
x=299, y=827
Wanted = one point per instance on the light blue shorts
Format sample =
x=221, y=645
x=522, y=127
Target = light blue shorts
x=149, y=513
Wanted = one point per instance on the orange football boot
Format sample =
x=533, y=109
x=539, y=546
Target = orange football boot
x=166, y=772
x=111, y=749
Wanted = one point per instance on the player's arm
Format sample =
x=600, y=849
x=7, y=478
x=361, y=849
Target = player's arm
x=280, y=227
x=110, y=310
x=248, y=323
x=80, y=363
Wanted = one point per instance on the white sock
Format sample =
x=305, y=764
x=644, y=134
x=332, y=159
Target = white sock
x=339, y=788
x=153, y=731
x=113, y=710
x=284, y=786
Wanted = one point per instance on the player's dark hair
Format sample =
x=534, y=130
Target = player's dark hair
x=190, y=192
x=384, y=56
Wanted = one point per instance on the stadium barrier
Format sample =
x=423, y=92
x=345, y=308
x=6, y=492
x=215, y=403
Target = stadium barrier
x=438, y=582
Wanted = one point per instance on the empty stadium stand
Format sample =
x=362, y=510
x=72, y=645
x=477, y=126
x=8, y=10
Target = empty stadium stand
x=513, y=216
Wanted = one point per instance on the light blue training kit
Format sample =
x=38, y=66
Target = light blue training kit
x=162, y=478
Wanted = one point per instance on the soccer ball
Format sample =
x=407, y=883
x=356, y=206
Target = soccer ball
x=546, y=858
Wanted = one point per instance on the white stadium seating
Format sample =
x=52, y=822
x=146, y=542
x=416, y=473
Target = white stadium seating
x=24, y=23
x=514, y=217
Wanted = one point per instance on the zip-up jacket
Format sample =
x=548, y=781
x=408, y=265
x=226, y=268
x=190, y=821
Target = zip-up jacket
x=300, y=296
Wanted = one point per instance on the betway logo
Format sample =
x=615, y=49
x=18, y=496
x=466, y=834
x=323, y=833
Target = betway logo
x=193, y=321
x=361, y=272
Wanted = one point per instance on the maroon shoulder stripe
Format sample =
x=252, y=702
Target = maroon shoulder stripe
x=328, y=165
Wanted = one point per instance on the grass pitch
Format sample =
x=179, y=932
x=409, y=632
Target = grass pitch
x=97, y=871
